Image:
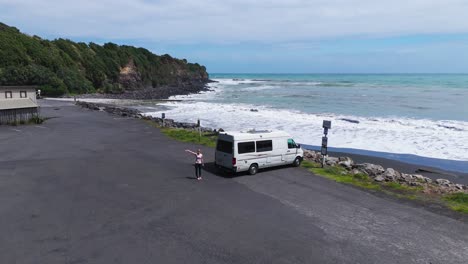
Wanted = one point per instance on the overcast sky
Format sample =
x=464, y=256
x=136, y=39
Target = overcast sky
x=294, y=36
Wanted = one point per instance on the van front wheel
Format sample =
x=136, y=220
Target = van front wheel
x=253, y=169
x=297, y=162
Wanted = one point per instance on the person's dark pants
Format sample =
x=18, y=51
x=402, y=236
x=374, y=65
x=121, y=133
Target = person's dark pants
x=198, y=170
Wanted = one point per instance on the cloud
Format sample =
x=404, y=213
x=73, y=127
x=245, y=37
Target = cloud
x=235, y=21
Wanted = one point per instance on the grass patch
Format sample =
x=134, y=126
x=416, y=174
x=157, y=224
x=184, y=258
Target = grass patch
x=185, y=135
x=341, y=175
x=403, y=188
x=403, y=191
x=190, y=136
x=457, y=202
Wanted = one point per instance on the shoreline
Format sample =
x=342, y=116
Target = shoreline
x=405, y=167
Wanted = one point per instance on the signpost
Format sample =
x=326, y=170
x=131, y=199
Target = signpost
x=324, y=150
x=163, y=116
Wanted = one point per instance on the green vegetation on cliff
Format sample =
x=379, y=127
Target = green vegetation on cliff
x=63, y=66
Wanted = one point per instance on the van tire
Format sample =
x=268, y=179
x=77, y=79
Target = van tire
x=297, y=162
x=253, y=169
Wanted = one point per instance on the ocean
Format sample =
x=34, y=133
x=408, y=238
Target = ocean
x=401, y=115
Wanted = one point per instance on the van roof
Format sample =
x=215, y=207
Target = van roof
x=255, y=134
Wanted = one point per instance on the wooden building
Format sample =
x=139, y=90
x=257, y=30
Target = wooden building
x=17, y=104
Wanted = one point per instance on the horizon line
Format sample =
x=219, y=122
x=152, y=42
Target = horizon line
x=350, y=73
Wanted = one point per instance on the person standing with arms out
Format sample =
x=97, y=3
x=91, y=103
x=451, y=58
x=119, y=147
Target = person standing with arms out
x=198, y=162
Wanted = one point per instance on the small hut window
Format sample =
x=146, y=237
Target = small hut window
x=8, y=94
x=23, y=94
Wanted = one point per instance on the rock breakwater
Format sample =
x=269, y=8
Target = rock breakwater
x=134, y=113
x=380, y=174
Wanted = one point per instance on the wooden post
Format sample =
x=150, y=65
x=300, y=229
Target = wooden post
x=199, y=130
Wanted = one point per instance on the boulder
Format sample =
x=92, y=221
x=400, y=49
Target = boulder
x=406, y=177
x=391, y=174
x=370, y=169
x=379, y=178
x=346, y=162
x=312, y=155
x=427, y=180
x=442, y=182
x=331, y=161
x=419, y=177
x=459, y=186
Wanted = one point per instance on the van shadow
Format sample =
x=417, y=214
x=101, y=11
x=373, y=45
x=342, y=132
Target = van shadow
x=211, y=168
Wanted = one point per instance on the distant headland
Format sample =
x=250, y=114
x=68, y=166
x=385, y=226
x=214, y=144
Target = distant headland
x=63, y=67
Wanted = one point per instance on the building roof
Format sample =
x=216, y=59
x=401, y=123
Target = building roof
x=17, y=104
x=13, y=87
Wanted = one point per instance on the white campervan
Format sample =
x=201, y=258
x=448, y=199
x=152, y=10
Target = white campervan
x=253, y=150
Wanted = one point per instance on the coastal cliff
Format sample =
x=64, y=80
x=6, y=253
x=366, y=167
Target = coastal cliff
x=62, y=67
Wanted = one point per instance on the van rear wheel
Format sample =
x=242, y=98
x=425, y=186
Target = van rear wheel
x=253, y=169
x=297, y=162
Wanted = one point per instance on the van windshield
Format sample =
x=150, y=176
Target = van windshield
x=224, y=146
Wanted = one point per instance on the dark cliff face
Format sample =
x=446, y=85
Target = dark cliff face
x=129, y=77
x=63, y=66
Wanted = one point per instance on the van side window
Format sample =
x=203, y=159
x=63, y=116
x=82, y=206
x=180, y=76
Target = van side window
x=224, y=146
x=291, y=143
x=264, y=145
x=246, y=147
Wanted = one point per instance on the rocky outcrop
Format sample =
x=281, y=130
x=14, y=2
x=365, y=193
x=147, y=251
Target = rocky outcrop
x=380, y=174
x=129, y=77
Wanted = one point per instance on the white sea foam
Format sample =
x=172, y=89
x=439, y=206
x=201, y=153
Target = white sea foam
x=258, y=88
x=237, y=81
x=427, y=138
